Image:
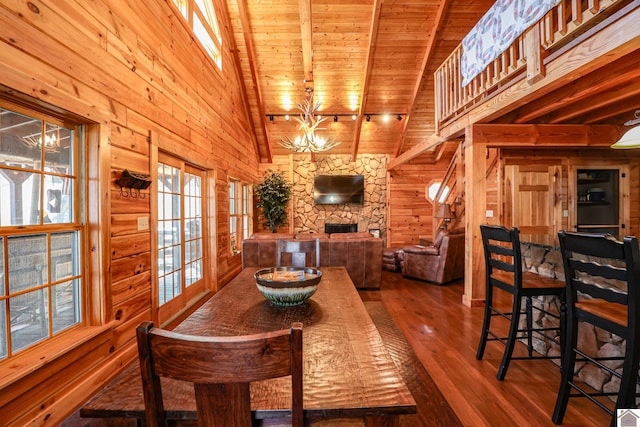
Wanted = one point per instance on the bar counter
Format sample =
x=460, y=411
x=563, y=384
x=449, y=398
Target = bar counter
x=541, y=254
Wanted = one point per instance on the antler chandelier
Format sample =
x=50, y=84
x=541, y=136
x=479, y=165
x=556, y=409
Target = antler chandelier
x=309, y=140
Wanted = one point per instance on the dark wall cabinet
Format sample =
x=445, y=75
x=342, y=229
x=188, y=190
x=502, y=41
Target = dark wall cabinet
x=598, y=207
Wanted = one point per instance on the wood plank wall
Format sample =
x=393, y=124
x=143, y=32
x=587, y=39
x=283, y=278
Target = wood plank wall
x=410, y=213
x=132, y=71
x=560, y=161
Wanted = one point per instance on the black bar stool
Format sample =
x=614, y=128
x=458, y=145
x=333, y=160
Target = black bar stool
x=503, y=264
x=602, y=275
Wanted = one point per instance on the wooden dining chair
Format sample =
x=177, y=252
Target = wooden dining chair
x=503, y=265
x=602, y=276
x=300, y=250
x=221, y=369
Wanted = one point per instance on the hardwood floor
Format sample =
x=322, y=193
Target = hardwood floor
x=444, y=334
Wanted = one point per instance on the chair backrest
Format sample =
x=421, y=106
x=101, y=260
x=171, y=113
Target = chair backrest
x=503, y=256
x=299, y=250
x=602, y=267
x=221, y=369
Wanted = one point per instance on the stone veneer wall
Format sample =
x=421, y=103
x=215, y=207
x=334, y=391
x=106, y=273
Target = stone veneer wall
x=593, y=341
x=309, y=217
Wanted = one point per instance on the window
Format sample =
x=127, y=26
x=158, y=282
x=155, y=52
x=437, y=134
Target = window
x=240, y=214
x=41, y=229
x=201, y=17
x=433, y=189
x=180, y=233
x=235, y=215
x=247, y=212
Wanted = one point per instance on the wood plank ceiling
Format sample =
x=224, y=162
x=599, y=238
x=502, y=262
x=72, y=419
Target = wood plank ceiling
x=362, y=57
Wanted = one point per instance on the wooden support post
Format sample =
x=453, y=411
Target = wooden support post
x=475, y=156
x=533, y=54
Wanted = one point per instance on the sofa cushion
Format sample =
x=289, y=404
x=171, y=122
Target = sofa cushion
x=438, y=240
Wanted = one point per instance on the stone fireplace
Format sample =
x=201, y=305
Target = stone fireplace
x=372, y=215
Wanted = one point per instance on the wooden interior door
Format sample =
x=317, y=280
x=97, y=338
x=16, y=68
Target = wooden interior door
x=529, y=198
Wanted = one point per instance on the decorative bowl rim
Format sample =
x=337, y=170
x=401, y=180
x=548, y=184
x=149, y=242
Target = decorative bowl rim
x=317, y=275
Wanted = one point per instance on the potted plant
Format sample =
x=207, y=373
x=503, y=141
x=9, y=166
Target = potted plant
x=273, y=195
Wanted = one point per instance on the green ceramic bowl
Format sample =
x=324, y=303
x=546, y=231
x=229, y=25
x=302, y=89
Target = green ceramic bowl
x=287, y=286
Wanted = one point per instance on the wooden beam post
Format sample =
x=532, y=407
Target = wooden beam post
x=475, y=186
x=533, y=53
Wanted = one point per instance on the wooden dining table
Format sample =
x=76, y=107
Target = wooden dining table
x=347, y=370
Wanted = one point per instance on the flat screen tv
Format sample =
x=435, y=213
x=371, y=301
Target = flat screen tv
x=338, y=189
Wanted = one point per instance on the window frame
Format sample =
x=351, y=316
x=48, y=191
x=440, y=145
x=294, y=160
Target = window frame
x=240, y=213
x=187, y=9
x=81, y=159
x=235, y=216
x=434, y=187
x=247, y=211
x=189, y=293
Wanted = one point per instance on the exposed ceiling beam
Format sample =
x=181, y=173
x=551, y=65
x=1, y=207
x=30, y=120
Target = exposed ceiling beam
x=265, y=152
x=604, y=100
x=617, y=74
x=306, y=30
x=620, y=112
x=431, y=44
x=373, y=36
x=430, y=143
x=545, y=135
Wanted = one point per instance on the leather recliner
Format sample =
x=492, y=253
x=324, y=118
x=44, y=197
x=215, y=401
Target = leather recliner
x=438, y=263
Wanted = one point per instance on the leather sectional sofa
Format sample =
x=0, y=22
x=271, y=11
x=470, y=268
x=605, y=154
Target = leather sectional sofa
x=359, y=252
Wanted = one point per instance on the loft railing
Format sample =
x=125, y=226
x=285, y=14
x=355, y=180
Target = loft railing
x=523, y=59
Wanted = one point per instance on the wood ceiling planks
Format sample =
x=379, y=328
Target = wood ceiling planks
x=360, y=62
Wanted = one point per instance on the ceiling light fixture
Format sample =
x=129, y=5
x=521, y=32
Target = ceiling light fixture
x=335, y=118
x=399, y=117
x=51, y=139
x=354, y=117
x=631, y=138
x=309, y=141
x=368, y=118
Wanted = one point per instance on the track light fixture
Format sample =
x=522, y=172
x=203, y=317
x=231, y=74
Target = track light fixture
x=385, y=117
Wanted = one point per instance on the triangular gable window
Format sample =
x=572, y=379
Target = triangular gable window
x=201, y=17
